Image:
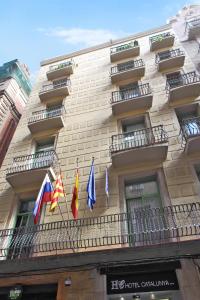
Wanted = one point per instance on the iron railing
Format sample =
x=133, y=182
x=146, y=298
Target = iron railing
x=168, y=54
x=189, y=128
x=55, y=85
x=61, y=65
x=46, y=114
x=43, y=159
x=138, y=138
x=131, y=93
x=140, y=227
x=192, y=23
x=160, y=37
x=181, y=80
x=124, y=47
x=132, y=64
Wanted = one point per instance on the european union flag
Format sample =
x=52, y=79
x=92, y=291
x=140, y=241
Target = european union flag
x=91, y=188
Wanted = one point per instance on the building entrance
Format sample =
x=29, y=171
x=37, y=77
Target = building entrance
x=30, y=292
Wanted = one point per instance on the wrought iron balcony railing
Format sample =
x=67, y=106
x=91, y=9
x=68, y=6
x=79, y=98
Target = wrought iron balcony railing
x=46, y=114
x=55, y=85
x=168, y=54
x=181, y=80
x=61, y=65
x=131, y=93
x=124, y=47
x=160, y=37
x=132, y=64
x=193, y=23
x=189, y=128
x=43, y=159
x=140, y=227
x=138, y=138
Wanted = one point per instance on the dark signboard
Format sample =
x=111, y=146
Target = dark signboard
x=134, y=283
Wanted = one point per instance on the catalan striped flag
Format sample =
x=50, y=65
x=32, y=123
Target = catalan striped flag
x=75, y=204
x=58, y=192
x=45, y=195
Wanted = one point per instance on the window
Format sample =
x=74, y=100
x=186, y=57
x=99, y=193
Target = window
x=146, y=220
x=129, y=91
x=135, y=132
x=45, y=145
x=25, y=214
x=174, y=79
x=188, y=119
x=20, y=243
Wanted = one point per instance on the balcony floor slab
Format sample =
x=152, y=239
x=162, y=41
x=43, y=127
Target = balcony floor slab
x=138, y=156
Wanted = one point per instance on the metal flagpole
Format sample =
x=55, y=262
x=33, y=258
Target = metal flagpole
x=66, y=207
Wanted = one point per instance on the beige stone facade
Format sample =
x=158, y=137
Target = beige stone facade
x=89, y=124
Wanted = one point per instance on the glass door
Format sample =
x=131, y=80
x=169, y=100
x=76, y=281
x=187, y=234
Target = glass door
x=23, y=234
x=43, y=159
x=129, y=91
x=135, y=135
x=146, y=218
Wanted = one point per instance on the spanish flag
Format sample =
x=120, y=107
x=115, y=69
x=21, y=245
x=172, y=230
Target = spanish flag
x=58, y=192
x=74, y=204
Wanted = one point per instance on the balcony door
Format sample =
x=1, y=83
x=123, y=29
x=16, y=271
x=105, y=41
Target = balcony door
x=174, y=79
x=42, y=156
x=23, y=233
x=129, y=91
x=145, y=217
x=190, y=126
x=135, y=135
x=188, y=117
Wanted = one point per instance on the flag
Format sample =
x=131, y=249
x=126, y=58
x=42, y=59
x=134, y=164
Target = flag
x=45, y=195
x=107, y=184
x=58, y=192
x=91, y=188
x=75, y=204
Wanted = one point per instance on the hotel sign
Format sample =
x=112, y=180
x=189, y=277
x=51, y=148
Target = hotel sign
x=134, y=283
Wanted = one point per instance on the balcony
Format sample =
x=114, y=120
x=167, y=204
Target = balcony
x=58, y=88
x=160, y=41
x=141, y=227
x=46, y=120
x=192, y=28
x=190, y=134
x=183, y=86
x=131, y=99
x=170, y=59
x=133, y=69
x=124, y=51
x=142, y=146
x=60, y=70
x=28, y=171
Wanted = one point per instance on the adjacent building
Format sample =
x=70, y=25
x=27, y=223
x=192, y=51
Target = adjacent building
x=132, y=105
x=15, y=88
x=186, y=25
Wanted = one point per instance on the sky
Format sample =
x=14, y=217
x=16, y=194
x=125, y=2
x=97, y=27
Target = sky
x=33, y=30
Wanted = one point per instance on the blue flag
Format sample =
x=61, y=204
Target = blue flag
x=91, y=188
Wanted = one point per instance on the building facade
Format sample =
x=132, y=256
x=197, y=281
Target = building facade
x=132, y=105
x=186, y=26
x=15, y=88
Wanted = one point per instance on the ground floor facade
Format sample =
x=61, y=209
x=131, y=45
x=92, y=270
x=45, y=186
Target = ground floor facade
x=115, y=274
